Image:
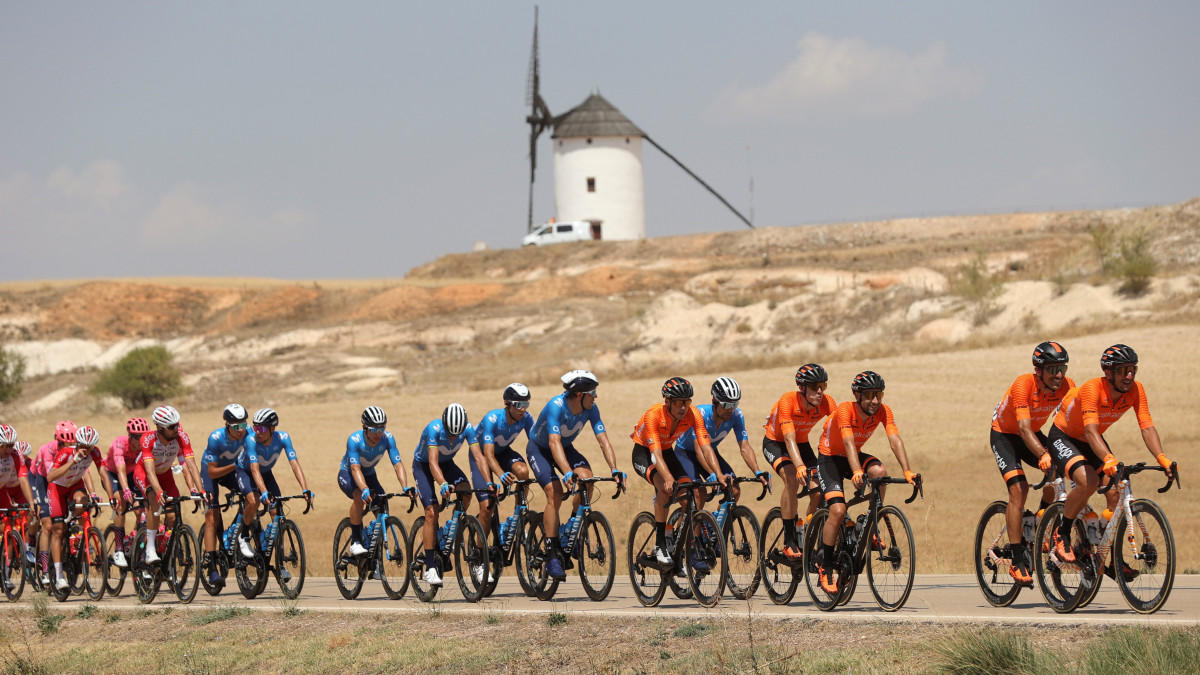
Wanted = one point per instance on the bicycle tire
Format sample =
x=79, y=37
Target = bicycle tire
x=147, y=579
x=14, y=566
x=649, y=582
x=993, y=558
x=185, y=564
x=705, y=545
x=347, y=573
x=471, y=558
x=778, y=577
x=76, y=569
x=251, y=573
x=416, y=557
x=1059, y=582
x=677, y=576
x=544, y=587
x=597, y=558
x=393, y=559
x=1154, y=560
x=116, y=573
x=812, y=540
x=68, y=563
x=742, y=553
x=521, y=552
x=93, y=560
x=289, y=555
x=892, y=564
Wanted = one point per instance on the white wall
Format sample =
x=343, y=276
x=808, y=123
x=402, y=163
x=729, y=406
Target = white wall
x=619, y=200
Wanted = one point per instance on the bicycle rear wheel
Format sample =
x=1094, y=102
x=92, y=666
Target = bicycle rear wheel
x=647, y=579
x=1061, y=583
x=521, y=552
x=677, y=576
x=539, y=579
x=14, y=566
x=813, y=562
x=147, y=578
x=251, y=572
x=471, y=558
x=742, y=552
x=597, y=562
x=393, y=559
x=93, y=560
x=705, y=559
x=993, y=558
x=778, y=576
x=1150, y=553
x=185, y=564
x=113, y=542
x=892, y=559
x=346, y=571
x=416, y=556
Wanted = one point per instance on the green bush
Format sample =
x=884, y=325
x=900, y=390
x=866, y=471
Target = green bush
x=1137, y=264
x=141, y=377
x=12, y=374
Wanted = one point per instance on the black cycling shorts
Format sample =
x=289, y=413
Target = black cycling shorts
x=1010, y=450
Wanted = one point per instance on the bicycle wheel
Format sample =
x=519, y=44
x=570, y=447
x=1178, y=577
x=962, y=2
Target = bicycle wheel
x=1150, y=552
x=33, y=572
x=290, y=563
x=93, y=561
x=185, y=564
x=677, y=576
x=993, y=559
x=218, y=560
x=741, y=552
x=251, y=572
x=1060, y=582
x=68, y=569
x=892, y=559
x=147, y=578
x=393, y=559
x=597, y=562
x=543, y=586
x=649, y=582
x=705, y=559
x=416, y=557
x=14, y=566
x=778, y=576
x=471, y=558
x=113, y=542
x=345, y=566
x=521, y=545
x=813, y=560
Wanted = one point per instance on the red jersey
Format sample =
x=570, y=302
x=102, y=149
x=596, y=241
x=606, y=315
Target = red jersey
x=75, y=473
x=164, y=454
x=13, y=466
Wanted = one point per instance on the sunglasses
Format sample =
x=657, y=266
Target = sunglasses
x=819, y=387
x=259, y=429
x=728, y=406
x=1122, y=371
x=869, y=394
x=591, y=393
x=1054, y=370
x=519, y=405
x=374, y=430
x=171, y=427
x=240, y=426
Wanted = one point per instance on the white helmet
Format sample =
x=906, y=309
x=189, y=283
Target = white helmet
x=374, y=416
x=580, y=381
x=165, y=416
x=454, y=419
x=87, y=436
x=726, y=390
x=26, y=449
x=234, y=414
x=8, y=435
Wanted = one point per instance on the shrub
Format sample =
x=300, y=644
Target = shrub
x=1137, y=264
x=1104, y=241
x=12, y=374
x=977, y=286
x=141, y=377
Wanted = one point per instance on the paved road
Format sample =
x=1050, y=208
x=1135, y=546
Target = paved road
x=935, y=598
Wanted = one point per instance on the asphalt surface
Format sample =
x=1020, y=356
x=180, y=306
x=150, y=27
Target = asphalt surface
x=934, y=598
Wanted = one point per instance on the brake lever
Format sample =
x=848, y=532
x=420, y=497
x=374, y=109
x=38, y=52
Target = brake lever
x=1173, y=479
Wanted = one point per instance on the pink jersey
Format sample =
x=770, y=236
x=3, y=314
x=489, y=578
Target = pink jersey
x=45, y=457
x=12, y=467
x=122, y=456
x=75, y=473
x=165, y=454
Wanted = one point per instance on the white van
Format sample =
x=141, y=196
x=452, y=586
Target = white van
x=554, y=233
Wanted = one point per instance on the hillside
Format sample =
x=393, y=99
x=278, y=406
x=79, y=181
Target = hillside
x=741, y=299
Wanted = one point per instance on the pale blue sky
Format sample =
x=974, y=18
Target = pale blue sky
x=319, y=140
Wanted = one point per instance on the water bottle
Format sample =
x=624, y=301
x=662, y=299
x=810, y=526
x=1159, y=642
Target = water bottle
x=445, y=536
x=231, y=535
x=372, y=532
x=1028, y=526
x=507, y=530
x=1092, y=520
x=859, y=526
x=568, y=530
x=268, y=536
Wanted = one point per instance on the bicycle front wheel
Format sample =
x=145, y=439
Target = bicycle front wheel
x=521, y=553
x=93, y=560
x=251, y=572
x=778, y=576
x=597, y=563
x=676, y=576
x=1061, y=583
x=814, y=562
x=147, y=578
x=647, y=578
x=114, y=542
x=290, y=564
x=185, y=564
x=14, y=566
x=706, y=561
x=416, y=556
x=993, y=558
x=393, y=561
x=539, y=552
x=471, y=558
x=892, y=558
x=1145, y=563
x=741, y=551
x=346, y=571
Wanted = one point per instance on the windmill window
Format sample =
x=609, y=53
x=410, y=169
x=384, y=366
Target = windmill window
x=591, y=184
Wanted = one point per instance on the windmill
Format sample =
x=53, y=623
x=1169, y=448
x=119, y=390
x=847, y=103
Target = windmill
x=594, y=117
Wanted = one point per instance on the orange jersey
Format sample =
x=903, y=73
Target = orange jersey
x=1024, y=400
x=848, y=416
x=791, y=413
x=1096, y=403
x=654, y=431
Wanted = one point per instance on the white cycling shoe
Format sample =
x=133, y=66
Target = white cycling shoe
x=244, y=547
x=119, y=559
x=61, y=583
x=661, y=556
x=432, y=577
x=477, y=572
x=357, y=549
x=151, y=555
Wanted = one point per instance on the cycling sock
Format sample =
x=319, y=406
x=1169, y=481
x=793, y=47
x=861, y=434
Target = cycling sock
x=356, y=532
x=44, y=558
x=789, y=532
x=150, y=535
x=1043, y=505
x=430, y=558
x=828, y=554
x=120, y=538
x=58, y=569
x=1064, y=529
x=1018, y=555
x=660, y=534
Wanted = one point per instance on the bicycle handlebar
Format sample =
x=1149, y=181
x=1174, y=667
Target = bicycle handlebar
x=508, y=491
x=1123, y=472
x=380, y=498
x=594, y=479
x=860, y=495
x=1047, y=477
x=279, y=500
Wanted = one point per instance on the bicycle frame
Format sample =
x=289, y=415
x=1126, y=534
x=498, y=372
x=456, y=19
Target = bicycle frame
x=508, y=549
x=727, y=501
x=279, y=518
x=584, y=508
x=875, y=497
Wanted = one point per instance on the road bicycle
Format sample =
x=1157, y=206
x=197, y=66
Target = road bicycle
x=1135, y=547
x=386, y=542
x=15, y=552
x=697, y=551
x=179, y=556
x=84, y=562
x=586, y=538
x=250, y=572
x=742, y=544
x=510, y=549
x=780, y=574
x=114, y=542
x=881, y=537
x=993, y=551
x=460, y=543
x=282, y=548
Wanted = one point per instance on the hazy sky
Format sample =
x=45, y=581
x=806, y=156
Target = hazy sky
x=323, y=140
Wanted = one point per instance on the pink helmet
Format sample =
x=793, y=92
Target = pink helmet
x=64, y=432
x=87, y=436
x=137, y=425
x=8, y=435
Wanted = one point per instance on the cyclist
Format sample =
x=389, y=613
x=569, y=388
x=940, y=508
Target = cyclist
x=847, y=429
x=1016, y=436
x=159, y=452
x=119, y=464
x=1077, y=436
x=64, y=435
x=66, y=478
x=14, y=471
x=262, y=450
x=433, y=465
x=219, y=468
x=28, y=453
x=493, y=451
x=357, y=478
x=721, y=418
x=786, y=447
x=552, y=451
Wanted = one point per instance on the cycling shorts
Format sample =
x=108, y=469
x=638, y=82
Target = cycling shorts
x=235, y=481
x=115, y=483
x=348, y=487
x=37, y=485
x=1010, y=450
x=166, y=480
x=644, y=465
x=269, y=482
x=686, y=457
x=776, y=455
x=58, y=496
x=542, y=463
x=833, y=469
x=1068, y=452
x=426, y=486
x=506, y=457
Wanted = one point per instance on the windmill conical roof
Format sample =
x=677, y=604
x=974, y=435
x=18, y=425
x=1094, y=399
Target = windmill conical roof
x=594, y=117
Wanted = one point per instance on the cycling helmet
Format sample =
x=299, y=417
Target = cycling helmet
x=137, y=425
x=867, y=379
x=1049, y=354
x=165, y=416
x=8, y=435
x=374, y=416
x=267, y=417
x=677, y=387
x=1118, y=355
x=87, y=436
x=64, y=432
x=234, y=414
x=579, y=381
x=811, y=373
x=516, y=392
x=454, y=419
x=26, y=449
x=726, y=390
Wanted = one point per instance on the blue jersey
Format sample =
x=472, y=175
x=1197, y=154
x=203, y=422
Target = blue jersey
x=367, y=456
x=266, y=454
x=221, y=449
x=435, y=436
x=556, y=418
x=496, y=429
x=736, y=423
